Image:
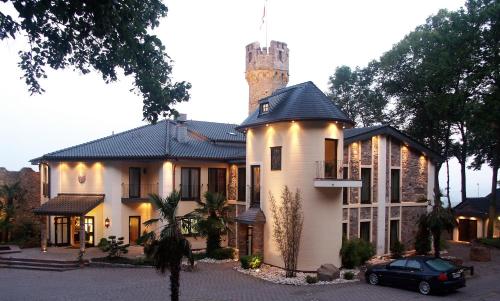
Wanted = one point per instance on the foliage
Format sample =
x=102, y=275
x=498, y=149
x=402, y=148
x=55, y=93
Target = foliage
x=11, y=197
x=141, y=261
x=423, y=237
x=287, y=221
x=397, y=249
x=357, y=95
x=223, y=253
x=97, y=35
x=493, y=242
x=103, y=244
x=355, y=252
x=171, y=246
x=212, y=220
x=116, y=247
x=348, y=275
x=26, y=233
x=311, y=279
x=251, y=261
x=438, y=220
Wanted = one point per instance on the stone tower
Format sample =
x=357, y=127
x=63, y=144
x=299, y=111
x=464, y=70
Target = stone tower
x=266, y=70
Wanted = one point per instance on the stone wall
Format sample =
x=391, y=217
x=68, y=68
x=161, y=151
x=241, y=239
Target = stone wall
x=366, y=152
x=353, y=223
x=409, y=224
x=414, y=175
x=395, y=151
x=375, y=176
x=354, y=170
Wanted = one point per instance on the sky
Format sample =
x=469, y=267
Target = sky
x=206, y=40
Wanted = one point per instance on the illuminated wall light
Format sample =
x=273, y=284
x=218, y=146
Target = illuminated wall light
x=267, y=124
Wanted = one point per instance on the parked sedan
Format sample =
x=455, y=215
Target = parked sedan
x=427, y=274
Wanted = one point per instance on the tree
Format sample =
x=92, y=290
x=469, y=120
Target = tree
x=357, y=94
x=287, y=221
x=12, y=195
x=171, y=246
x=97, y=35
x=212, y=220
x=438, y=220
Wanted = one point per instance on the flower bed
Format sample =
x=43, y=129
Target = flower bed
x=277, y=275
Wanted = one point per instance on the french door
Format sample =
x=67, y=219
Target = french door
x=62, y=230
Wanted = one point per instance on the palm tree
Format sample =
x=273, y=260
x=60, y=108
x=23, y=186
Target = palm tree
x=212, y=219
x=10, y=194
x=171, y=246
x=438, y=220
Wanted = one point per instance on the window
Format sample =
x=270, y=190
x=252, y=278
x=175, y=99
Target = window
x=264, y=108
x=395, y=186
x=242, y=183
x=255, y=186
x=217, y=180
x=45, y=180
x=394, y=231
x=398, y=264
x=440, y=265
x=134, y=181
x=276, y=158
x=345, y=190
x=190, y=183
x=413, y=264
x=344, y=231
x=331, y=158
x=366, y=181
x=188, y=225
x=364, y=231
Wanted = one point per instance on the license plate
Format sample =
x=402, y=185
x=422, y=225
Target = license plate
x=456, y=275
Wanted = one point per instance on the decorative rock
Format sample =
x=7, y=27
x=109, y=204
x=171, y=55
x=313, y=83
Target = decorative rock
x=480, y=253
x=328, y=272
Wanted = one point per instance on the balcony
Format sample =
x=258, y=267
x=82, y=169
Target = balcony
x=133, y=193
x=337, y=174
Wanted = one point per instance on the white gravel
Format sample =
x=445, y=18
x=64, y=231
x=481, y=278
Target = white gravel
x=211, y=260
x=277, y=275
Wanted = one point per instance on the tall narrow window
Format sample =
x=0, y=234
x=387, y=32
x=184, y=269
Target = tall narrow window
x=242, y=183
x=344, y=231
x=394, y=231
x=395, y=186
x=134, y=181
x=366, y=182
x=45, y=180
x=276, y=158
x=255, y=186
x=345, y=190
x=190, y=183
x=217, y=180
x=331, y=158
x=364, y=231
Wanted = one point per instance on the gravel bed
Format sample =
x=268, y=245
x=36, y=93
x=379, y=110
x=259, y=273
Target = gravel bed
x=211, y=260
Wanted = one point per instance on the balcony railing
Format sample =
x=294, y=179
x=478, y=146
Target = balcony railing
x=138, y=191
x=336, y=170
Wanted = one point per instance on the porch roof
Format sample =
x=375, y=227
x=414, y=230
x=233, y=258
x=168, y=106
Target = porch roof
x=69, y=204
x=251, y=216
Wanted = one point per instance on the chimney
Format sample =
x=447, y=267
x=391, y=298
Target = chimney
x=181, y=128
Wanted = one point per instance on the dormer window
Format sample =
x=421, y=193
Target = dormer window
x=264, y=108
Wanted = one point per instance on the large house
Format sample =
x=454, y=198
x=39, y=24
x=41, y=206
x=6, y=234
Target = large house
x=371, y=183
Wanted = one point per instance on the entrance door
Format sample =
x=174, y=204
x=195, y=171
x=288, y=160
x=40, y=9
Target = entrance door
x=134, y=180
x=331, y=158
x=467, y=229
x=89, y=231
x=255, y=186
x=61, y=227
x=134, y=229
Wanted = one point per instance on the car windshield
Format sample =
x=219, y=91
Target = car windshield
x=440, y=265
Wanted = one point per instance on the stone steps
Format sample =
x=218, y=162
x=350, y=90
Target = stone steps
x=39, y=264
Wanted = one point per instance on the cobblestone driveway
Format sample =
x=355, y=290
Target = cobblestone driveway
x=210, y=282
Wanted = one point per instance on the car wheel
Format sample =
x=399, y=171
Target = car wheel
x=424, y=288
x=373, y=279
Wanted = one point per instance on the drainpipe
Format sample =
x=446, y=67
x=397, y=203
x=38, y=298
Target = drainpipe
x=249, y=237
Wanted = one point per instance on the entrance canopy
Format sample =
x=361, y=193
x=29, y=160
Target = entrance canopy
x=251, y=216
x=69, y=204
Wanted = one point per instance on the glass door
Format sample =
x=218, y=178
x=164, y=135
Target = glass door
x=134, y=181
x=61, y=227
x=89, y=231
x=331, y=158
x=134, y=229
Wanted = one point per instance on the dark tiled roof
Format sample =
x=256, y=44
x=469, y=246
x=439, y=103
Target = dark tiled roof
x=205, y=140
x=357, y=134
x=70, y=204
x=478, y=207
x=300, y=102
x=251, y=216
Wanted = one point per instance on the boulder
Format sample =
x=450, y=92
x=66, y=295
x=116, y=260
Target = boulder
x=480, y=253
x=328, y=272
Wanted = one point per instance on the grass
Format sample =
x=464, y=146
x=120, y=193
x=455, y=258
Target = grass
x=492, y=242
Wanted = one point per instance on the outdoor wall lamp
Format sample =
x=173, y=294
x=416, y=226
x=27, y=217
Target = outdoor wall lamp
x=107, y=222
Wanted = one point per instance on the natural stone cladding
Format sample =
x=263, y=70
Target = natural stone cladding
x=233, y=182
x=414, y=175
x=344, y=214
x=365, y=213
x=374, y=143
x=395, y=212
x=395, y=153
x=354, y=171
x=353, y=223
x=366, y=152
x=409, y=224
x=374, y=225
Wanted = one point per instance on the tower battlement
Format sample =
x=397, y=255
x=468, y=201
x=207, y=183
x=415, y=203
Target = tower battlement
x=266, y=70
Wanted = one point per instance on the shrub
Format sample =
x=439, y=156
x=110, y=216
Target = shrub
x=348, y=275
x=493, y=242
x=103, y=244
x=116, y=247
x=355, y=252
x=222, y=253
x=251, y=261
x=397, y=249
x=423, y=237
x=311, y=279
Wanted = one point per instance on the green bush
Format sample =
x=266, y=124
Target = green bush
x=355, y=252
x=116, y=247
x=311, y=279
x=494, y=242
x=397, y=249
x=423, y=237
x=103, y=244
x=251, y=261
x=222, y=253
x=348, y=275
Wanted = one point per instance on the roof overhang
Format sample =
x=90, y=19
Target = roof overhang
x=69, y=204
x=251, y=216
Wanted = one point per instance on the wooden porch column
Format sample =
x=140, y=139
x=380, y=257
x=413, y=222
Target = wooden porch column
x=82, y=233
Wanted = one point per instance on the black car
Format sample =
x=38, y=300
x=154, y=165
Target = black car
x=427, y=274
